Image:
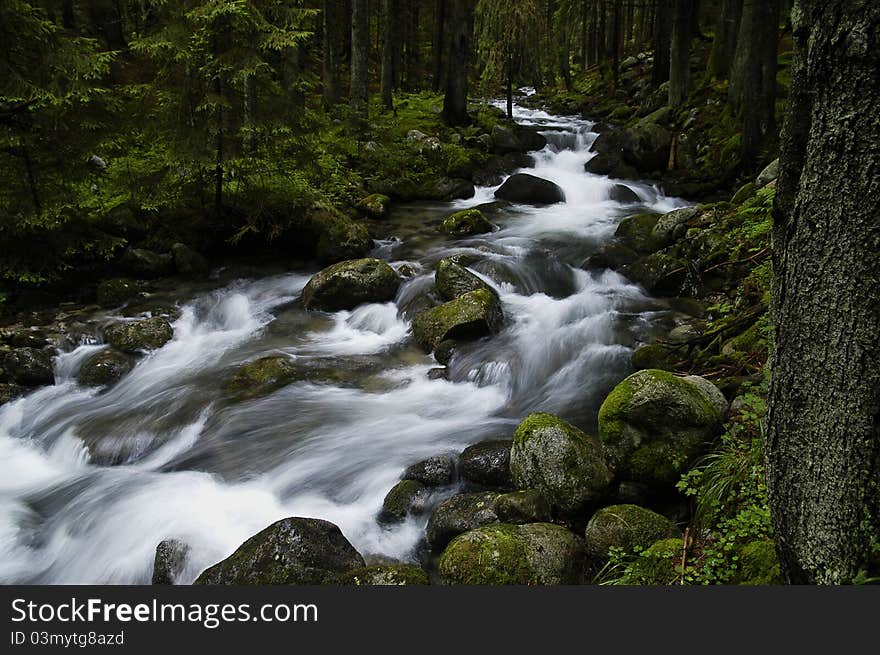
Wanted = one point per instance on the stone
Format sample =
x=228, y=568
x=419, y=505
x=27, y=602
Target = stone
x=529, y=189
x=374, y=205
x=405, y=498
x=624, y=195
x=118, y=291
x=350, y=283
x=768, y=175
x=470, y=316
x=385, y=575
x=487, y=464
x=459, y=514
x=261, y=377
x=136, y=336
x=29, y=367
x=437, y=471
x=187, y=261
x=526, y=506
x=627, y=527
x=170, y=559
x=144, y=263
x=453, y=280
x=104, y=368
x=466, y=223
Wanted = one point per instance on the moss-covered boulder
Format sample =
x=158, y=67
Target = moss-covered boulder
x=660, y=273
x=505, y=554
x=374, y=205
x=385, y=575
x=337, y=238
x=561, y=461
x=169, y=561
x=466, y=223
x=758, y=564
x=654, y=423
x=636, y=232
x=672, y=226
x=742, y=194
x=437, y=471
x=405, y=498
x=659, y=565
x=526, y=506
x=187, y=261
x=453, y=280
x=104, y=368
x=135, y=336
x=30, y=367
x=487, y=464
x=654, y=355
x=261, y=377
x=460, y=514
x=626, y=527
x=470, y=316
x=291, y=551
x=118, y=291
x=348, y=284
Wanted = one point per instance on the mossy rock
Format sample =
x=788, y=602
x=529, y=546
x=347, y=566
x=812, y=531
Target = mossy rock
x=627, y=527
x=187, y=261
x=261, y=377
x=660, y=273
x=672, y=226
x=505, y=554
x=744, y=342
x=453, y=280
x=30, y=367
x=136, y=336
x=654, y=423
x=745, y=192
x=561, y=461
x=118, y=291
x=298, y=551
x=466, y=223
x=9, y=392
x=460, y=514
x=350, y=283
x=659, y=565
x=104, y=368
x=654, y=356
x=437, y=471
x=758, y=564
x=405, y=498
x=385, y=575
x=470, y=316
x=374, y=205
x=445, y=350
x=338, y=238
x=526, y=506
x=612, y=255
x=487, y=464
x=636, y=232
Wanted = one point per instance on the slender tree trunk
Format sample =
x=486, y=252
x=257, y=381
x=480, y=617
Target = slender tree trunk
x=389, y=39
x=439, y=45
x=360, y=58
x=662, y=40
x=680, y=53
x=615, y=41
x=331, y=46
x=724, y=45
x=455, y=100
x=823, y=434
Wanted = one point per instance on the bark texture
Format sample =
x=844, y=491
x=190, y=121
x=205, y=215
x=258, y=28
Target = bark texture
x=823, y=436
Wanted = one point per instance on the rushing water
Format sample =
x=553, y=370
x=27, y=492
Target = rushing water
x=91, y=481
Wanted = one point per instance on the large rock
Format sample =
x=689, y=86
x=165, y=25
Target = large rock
x=526, y=506
x=104, y=367
x=466, y=223
x=146, y=263
x=453, y=280
x=336, y=237
x=505, y=554
x=653, y=424
x=637, y=232
x=487, y=464
x=9, y=392
x=612, y=255
x=135, y=336
x=118, y=291
x=348, y=284
x=446, y=189
x=660, y=273
x=647, y=146
x=405, y=498
x=460, y=514
x=672, y=226
x=385, y=575
x=627, y=527
x=561, y=461
x=374, y=205
x=624, y=195
x=261, y=377
x=295, y=551
x=769, y=174
x=437, y=471
x=30, y=367
x=516, y=139
x=473, y=315
x=169, y=562
x=529, y=189
x=187, y=261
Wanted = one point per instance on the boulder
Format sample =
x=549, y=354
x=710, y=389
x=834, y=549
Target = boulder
x=385, y=575
x=374, y=205
x=348, y=284
x=146, y=263
x=507, y=140
x=187, y=261
x=487, y=464
x=626, y=527
x=104, y=367
x=135, y=336
x=624, y=195
x=526, y=506
x=505, y=554
x=658, y=565
x=637, y=232
x=446, y=189
x=460, y=514
x=337, y=238
x=466, y=223
x=261, y=377
x=742, y=194
x=654, y=355
x=472, y=315
x=170, y=559
x=768, y=175
x=444, y=351
x=405, y=498
x=453, y=280
x=612, y=255
x=437, y=471
x=29, y=367
x=297, y=551
x=647, y=146
x=529, y=189
x=438, y=373
x=653, y=424
x=118, y=291
x=660, y=273
x=563, y=462
x=672, y=226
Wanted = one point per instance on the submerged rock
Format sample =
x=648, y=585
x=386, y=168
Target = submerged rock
x=261, y=377
x=470, y=316
x=654, y=423
x=504, y=554
x=135, y=336
x=460, y=514
x=626, y=527
x=466, y=223
x=437, y=471
x=405, y=498
x=104, y=367
x=297, y=551
x=487, y=464
x=453, y=280
x=29, y=367
x=561, y=461
x=170, y=559
x=348, y=284
x=525, y=188
x=383, y=575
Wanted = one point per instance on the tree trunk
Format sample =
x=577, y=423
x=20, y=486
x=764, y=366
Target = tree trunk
x=615, y=41
x=724, y=45
x=332, y=50
x=360, y=61
x=680, y=53
x=439, y=45
x=455, y=100
x=823, y=434
x=662, y=39
x=389, y=39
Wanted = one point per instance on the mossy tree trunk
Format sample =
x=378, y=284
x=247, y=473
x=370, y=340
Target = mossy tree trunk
x=680, y=52
x=823, y=434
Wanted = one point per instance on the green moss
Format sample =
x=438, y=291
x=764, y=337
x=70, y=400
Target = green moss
x=471, y=315
x=493, y=555
x=637, y=232
x=658, y=565
x=374, y=205
x=656, y=356
x=758, y=564
x=260, y=377
x=626, y=527
x=465, y=223
x=132, y=337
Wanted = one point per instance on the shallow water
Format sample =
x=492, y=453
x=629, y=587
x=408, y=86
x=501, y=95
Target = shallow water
x=91, y=482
